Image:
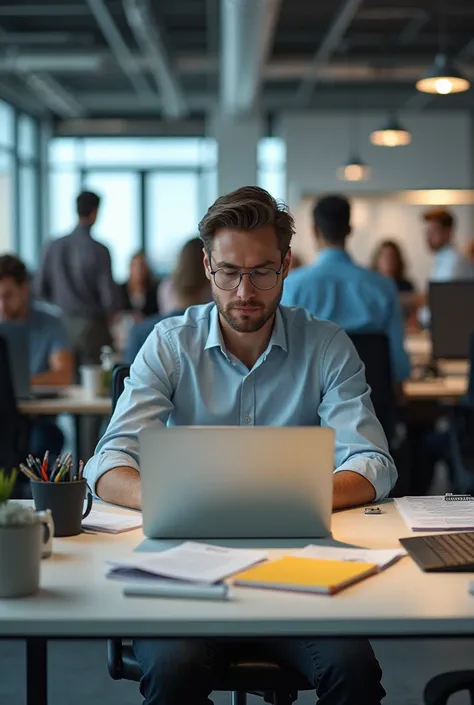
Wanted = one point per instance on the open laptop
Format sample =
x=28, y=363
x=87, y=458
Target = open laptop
x=16, y=336
x=207, y=482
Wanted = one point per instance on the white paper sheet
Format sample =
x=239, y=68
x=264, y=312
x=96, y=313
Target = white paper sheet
x=383, y=558
x=191, y=561
x=435, y=513
x=111, y=523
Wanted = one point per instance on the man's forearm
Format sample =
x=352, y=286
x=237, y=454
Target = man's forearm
x=121, y=486
x=351, y=490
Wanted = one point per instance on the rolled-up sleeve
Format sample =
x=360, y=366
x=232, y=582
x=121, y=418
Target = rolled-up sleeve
x=346, y=407
x=145, y=401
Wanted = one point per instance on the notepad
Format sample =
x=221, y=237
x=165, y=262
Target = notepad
x=112, y=523
x=305, y=575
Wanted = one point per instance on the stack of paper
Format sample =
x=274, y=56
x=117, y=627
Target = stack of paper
x=190, y=561
x=111, y=523
x=436, y=513
x=381, y=558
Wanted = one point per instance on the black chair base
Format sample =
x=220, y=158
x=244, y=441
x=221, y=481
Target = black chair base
x=274, y=683
x=440, y=688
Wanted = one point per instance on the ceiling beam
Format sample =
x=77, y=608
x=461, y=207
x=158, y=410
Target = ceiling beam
x=57, y=9
x=150, y=42
x=53, y=95
x=329, y=44
x=247, y=34
x=122, y=53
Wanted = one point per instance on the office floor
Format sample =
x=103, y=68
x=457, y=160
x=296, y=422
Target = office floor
x=78, y=673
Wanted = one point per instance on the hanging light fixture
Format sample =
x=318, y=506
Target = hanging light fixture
x=355, y=169
x=443, y=77
x=392, y=134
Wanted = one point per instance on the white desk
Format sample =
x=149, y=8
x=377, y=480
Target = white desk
x=76, y=600
x=73, y=401
x=442, y=388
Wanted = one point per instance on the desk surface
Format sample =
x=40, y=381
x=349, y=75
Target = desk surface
x=449, y=387
x=76, y=600
x=72, y=401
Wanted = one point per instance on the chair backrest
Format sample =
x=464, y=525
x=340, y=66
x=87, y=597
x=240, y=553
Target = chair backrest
x=374, y=351
x=12, y=425
x=470, y=388
x=119, y=375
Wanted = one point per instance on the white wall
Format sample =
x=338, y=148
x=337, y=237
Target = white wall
x=6, y=235
x=318, y=143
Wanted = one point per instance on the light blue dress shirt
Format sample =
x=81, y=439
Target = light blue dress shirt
x=309, y=375
x=450, y=265
x=359, y=300
x=47, y=334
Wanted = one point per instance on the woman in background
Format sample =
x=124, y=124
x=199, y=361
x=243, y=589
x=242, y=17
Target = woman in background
x=188, y=285
x=139, y=292
x=388, y=259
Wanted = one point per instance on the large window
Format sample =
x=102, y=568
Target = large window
x=271, y=166
x=154, y=192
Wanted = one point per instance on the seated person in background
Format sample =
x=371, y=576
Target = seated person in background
x=336, y=289
x=186, y=273
x=190, y=287
x=139, y=292
x=449, y=264
x=388, y=260
x=51, y=358
x=246, y=360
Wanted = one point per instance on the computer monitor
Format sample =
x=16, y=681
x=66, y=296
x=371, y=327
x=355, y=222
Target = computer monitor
x=452, y=318
x=15, y=334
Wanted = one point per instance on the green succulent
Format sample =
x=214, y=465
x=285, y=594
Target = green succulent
x=7, y=483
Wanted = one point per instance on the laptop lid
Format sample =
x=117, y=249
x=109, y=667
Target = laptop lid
x=16, y=336
x=236, y=482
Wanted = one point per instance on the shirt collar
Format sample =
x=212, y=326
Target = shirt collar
x=333, y=254
x=214, y=337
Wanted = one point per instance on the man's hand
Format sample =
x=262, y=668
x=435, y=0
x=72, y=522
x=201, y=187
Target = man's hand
x=61, y=370
x=351, y=490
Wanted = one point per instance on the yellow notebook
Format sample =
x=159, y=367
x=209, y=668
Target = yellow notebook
x=304, y=574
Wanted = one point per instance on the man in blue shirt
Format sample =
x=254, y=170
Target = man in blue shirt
x=334, y=288
x=245, y=360
x=51, y=358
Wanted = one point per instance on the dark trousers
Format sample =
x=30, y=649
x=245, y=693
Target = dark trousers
x=179, y=672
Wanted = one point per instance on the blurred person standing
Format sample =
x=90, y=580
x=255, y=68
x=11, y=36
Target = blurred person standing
x=449, y=263
x=139, y=292
x=76, y=275
x=189, y=287
x=388, y=259
x=187, y=283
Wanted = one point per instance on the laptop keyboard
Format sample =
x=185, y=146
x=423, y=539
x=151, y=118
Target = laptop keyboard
x=452, y=549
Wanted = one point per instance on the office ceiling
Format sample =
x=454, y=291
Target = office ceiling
x=176, y=61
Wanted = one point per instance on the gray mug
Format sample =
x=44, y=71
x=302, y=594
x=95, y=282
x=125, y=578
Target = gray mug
x=46, y=519
x=66, y=502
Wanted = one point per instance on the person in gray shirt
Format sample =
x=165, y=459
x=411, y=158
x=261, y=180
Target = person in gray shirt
x=76, y=274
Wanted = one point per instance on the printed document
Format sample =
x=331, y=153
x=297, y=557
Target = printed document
x=436, y=513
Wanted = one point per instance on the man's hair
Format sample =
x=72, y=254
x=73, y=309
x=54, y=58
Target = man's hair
x=248, y=208
x=332, y=217
x=441, y=216
x=87, y=202
x=12, y=267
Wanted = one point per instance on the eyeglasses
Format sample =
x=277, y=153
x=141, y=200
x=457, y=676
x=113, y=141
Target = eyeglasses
x=262, y=278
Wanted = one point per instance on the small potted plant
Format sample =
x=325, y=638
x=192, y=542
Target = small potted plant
x=20, y=543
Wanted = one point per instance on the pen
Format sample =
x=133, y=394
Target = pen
x=44, y=467
x=192, y=592
x=32, y=468
x=29, y=474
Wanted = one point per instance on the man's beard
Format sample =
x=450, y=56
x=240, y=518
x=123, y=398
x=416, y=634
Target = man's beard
x=240, y=322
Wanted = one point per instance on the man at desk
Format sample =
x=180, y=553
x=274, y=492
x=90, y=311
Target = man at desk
x=246, y=360
x=51, y=358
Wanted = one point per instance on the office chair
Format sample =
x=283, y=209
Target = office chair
x=276, y=684
x=14, y=428
x=440, y=688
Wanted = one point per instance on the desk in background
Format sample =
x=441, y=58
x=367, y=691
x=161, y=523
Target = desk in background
x=77, y=601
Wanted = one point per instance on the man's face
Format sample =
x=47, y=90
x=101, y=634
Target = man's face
x=246, y=308
x=13, y=300
x=437, y=235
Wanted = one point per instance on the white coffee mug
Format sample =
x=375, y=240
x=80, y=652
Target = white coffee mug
x=91, y=380
x=46, y=519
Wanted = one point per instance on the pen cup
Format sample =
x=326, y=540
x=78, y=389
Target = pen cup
x=66, y=502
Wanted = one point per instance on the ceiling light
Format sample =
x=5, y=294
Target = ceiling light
x=442, y=78
x=354, y=170
x=391, y=135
